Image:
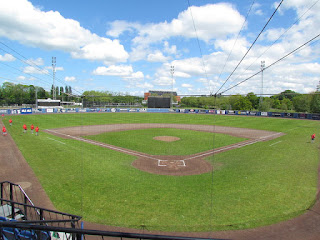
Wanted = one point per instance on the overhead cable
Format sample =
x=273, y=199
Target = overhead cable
x=250, y=47
x=271, y=64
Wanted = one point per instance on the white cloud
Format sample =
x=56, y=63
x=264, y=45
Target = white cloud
x=34, y=70
x=212, y=21
x=103, y=49
x=21, y=78
x=168, y=49
x=124, y=71
x=21, y=21
x=7, y=58
x=145, y=85
x=186, y=85
x=256, y=9
x=70, y=79
x=119, y=26
x=157, y=57
x=49, y=68
x=114, y=70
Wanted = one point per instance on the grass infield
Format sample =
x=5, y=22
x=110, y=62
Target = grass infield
x=256, y=185
x=190, y=142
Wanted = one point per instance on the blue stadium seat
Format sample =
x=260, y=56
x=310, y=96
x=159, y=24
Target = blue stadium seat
x=44, y=235
x=10, y=233
x=26, y=235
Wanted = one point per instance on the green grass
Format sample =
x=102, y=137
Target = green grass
x=259, y=184
x=190, y=142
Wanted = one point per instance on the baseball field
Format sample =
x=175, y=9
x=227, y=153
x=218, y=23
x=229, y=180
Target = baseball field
x=173, y=172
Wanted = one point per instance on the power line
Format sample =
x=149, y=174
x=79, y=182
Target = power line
x=250, y=46
x=311, y=6
x=201, y=54
x=32, y=64
x=272, y=63
x=236, y=39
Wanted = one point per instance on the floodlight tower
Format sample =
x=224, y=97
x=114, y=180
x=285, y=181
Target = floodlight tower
x=54, y=76
x=262, y=68
x=172, y=72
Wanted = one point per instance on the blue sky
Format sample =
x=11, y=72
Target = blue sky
x=128, y=46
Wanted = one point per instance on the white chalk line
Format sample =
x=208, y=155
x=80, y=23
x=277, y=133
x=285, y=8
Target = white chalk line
x=274, y=143
x=214, y=151
x=183, y=163
x=56, y=140
x=104, y=145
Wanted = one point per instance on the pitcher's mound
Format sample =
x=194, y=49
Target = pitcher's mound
x=166, y=138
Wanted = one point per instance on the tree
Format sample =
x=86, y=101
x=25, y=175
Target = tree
x=239, y=102
x=276, y=103
x=253, y=99
x=266, y=104
x=301, y=103
x=286, y=104
x=315, y=103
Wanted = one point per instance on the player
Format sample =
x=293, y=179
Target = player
x=4, y=131
x=24, y=128
x=32, y=127
x=10, y=122
x=37, y=130
x=313, y=136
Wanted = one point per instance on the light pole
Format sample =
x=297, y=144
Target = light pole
x=54, y=76
x=172, y=72
x=262, y=68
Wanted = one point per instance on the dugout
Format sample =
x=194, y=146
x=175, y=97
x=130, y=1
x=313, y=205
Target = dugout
x=158, y=102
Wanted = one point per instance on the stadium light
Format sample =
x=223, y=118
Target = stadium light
x=262, y=68
x=172, y=72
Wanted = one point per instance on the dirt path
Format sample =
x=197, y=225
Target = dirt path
x=13, y=167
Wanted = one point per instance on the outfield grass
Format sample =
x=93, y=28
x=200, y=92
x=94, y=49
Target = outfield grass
x=259, y=184
x=190, y=142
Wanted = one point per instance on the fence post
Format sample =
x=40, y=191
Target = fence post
x=11, y=199
x=1, y=193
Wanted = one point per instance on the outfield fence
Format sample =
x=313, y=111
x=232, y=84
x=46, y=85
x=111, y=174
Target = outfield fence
x=17, y=111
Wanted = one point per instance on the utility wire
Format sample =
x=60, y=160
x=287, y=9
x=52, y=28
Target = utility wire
x=32, y=64
x=197, y=37
x=272, y=64
x=245, y=20
x=250, y=46
x=277, y=39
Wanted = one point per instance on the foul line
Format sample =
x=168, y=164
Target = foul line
x=274, y=143
x=56, y=140
x=130, y=152
x=103, y=145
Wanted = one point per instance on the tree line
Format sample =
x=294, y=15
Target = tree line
x=287, y=100
x=106, y=97
x=18, y=94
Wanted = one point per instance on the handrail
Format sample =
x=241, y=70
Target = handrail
x=81, y=232
x=43, y=209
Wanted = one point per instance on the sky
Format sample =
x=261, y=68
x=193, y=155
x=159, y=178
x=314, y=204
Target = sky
x=193, y=47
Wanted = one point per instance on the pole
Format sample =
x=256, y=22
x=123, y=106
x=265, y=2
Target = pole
x=172, y=72
x=54, y=76
x=262, y=68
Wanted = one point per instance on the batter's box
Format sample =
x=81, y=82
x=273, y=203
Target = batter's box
x=171, y=163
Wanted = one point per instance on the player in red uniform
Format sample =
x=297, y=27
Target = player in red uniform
x=313, y=136
x=10, y=122
x=37, y=130
x=24, y=128
x=4, y=131
x=32, y=127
